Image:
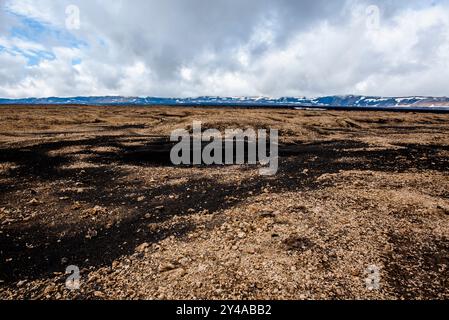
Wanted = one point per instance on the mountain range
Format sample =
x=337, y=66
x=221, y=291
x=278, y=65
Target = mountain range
x=327, y=101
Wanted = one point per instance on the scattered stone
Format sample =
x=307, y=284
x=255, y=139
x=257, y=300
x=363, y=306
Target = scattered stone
x=443, y=209
x=153, y=227
x=115, y=264
x=300, y=244
x=49, y=289
x=143, y=247
x=8, y=221
x=91, y=234
x=21, y=283
x=33, y=202
x=99, y=209
x=323, y=177
x=76, y=206
x=166, y=267
x=241, y=235
x=140, y=199
x=267, y=214
x=250, y=250
x=178, y=273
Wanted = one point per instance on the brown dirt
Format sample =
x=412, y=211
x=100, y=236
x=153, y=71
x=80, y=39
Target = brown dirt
x=94, y=187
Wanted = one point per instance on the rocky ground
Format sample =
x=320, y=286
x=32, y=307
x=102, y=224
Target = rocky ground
x=94, y=187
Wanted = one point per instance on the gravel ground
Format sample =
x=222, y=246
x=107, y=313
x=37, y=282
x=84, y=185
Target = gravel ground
x=94, y=187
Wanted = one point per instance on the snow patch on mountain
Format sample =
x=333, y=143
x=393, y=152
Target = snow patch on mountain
x=327, y=101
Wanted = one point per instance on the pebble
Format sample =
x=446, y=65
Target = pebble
x=21, y=283
x=444, y=209
x=178, y=273
x=166, y=267
x=33, y=202
x=267, y=214
x=49, y=289
x=143, y=247
x=76, y=206
x=91, y=234
x=250, y=250
x=99, y=209
x=115, y=264
x=241, y=235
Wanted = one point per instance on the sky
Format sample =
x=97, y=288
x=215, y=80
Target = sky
x=189, y=48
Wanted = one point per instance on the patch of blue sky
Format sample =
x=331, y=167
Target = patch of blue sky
x=428, y=3
x=102, y=42
x=76, y=61
x=35, y=31
x=33, y=56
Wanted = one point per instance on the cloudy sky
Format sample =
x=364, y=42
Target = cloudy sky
x=224, y=47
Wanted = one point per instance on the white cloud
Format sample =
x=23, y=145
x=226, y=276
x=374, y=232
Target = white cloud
x=229, y=47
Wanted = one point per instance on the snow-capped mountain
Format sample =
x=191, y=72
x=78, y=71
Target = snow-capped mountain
x=329, y=101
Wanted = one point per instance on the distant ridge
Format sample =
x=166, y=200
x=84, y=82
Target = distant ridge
x=328, y=101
